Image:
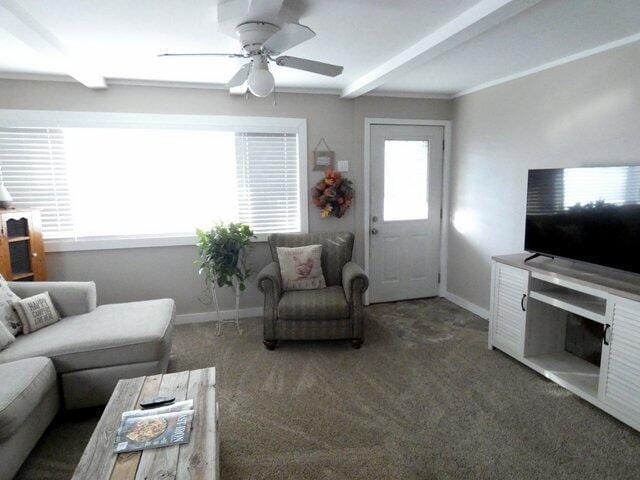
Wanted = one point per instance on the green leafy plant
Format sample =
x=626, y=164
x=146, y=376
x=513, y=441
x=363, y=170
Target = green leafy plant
x=222, y=252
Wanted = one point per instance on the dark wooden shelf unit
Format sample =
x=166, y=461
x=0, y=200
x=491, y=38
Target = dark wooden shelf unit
x=21, y=245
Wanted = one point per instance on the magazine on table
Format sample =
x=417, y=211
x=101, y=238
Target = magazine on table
x=155, y=428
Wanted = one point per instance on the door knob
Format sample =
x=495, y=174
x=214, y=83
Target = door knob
x=374, y=231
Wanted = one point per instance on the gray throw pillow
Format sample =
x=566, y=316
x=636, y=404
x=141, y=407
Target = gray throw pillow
x=6, y=338
x=8, y=315
x=36, y=312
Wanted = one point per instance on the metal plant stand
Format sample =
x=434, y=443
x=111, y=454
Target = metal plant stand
x=219, y=320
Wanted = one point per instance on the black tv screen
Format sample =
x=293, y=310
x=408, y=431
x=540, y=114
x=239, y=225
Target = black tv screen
x=586, y=214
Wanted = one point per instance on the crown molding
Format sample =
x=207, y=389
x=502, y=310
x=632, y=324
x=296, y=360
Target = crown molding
x=430, y=96
x=37, y=77
x=210, y=86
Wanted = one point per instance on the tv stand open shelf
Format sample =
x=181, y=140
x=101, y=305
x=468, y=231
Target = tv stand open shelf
x=534, y=304
x=582, y=304
x=567, y=370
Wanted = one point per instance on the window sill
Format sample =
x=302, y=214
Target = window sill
x=119, y=243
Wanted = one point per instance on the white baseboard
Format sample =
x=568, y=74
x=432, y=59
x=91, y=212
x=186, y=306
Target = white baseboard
x=467, y=305
x=211, y=316
x=257, y=311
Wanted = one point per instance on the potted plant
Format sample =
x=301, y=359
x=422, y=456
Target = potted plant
x=223, y=261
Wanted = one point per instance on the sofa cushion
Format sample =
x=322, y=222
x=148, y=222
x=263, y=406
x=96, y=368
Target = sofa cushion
x=8, y=315
x=24, y=384
x=6, y=337
x=322, y=304
x=115, y=334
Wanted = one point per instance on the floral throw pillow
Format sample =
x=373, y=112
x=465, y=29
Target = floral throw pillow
x=8, y=315
x=300, y=267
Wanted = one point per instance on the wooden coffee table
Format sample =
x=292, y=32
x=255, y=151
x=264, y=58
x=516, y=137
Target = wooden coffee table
x=197, y=459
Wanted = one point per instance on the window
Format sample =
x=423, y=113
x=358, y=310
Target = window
x=267, y=181
x=34, y=170
x=406, y=180
x=106, y=177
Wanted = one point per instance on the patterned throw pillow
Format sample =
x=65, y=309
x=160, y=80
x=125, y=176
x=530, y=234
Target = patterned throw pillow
x=300, y=267
x=8, y=315
x=6, y=338
x=36, y=312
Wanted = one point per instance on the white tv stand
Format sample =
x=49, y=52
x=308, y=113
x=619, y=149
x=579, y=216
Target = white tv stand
x=529, y=307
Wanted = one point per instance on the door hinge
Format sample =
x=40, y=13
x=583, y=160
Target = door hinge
x=443, y=145
x=438, y=277
x=441, y=214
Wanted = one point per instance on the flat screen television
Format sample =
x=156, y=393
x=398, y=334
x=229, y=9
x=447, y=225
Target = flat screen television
x=586, y=214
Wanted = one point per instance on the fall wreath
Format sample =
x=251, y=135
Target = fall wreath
x=333, y=194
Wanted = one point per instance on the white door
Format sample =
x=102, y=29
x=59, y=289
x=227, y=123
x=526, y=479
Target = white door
x=405, y=211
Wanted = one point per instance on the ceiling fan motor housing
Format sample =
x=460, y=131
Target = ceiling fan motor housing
x=253, y=34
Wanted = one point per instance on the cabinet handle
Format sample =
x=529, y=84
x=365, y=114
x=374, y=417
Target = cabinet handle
x=524, y=295
x=604, y=334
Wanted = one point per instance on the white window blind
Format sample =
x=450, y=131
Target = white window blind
x=153, y=181
x=34, y=170
x=267, y=172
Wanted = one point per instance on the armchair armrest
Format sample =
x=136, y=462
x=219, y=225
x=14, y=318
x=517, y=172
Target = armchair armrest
x=354, y=281
x=269, y=281
x=70, y=298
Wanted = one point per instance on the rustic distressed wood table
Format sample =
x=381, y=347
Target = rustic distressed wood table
x=198, y=459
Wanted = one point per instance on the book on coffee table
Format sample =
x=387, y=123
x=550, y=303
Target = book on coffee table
x=155, y=428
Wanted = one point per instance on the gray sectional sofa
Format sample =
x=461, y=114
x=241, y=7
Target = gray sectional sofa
x=76, y=362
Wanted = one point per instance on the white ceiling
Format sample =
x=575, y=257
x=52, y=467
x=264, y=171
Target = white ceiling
x=546, y=32
x=119, y=39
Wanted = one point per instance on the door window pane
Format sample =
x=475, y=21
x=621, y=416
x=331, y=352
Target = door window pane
x=406, y=180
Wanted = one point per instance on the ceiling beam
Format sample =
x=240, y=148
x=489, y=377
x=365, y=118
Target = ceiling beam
x=19, y=23
x=478, y=19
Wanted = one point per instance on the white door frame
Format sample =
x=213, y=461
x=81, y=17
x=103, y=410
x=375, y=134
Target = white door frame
x=446, y=169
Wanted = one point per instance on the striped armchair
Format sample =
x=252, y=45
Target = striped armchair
x=334, y=312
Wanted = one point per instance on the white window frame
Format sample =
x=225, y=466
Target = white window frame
x=71, y=119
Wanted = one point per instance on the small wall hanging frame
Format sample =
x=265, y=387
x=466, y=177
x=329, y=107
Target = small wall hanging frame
x=323, y=159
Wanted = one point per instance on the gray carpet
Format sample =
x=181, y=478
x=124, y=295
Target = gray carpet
x=423, y=399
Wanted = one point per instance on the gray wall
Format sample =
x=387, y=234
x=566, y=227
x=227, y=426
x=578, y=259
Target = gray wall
x=136, y=274
x=583, y=113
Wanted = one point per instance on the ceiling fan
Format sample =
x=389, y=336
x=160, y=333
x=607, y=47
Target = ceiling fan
x=262, y=42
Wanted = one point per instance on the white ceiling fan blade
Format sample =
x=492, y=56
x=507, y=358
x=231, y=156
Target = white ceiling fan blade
x=287, y=37
x=309, y=66
x=230, y=55
x=240, y=77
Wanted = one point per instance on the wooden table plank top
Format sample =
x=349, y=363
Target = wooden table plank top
x=198, y=458
x=195, y=460
x=127, y=463
x=163, y=462
x=98, y=459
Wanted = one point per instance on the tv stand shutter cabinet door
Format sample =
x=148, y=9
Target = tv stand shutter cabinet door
x=508, y=304
x=620, y=378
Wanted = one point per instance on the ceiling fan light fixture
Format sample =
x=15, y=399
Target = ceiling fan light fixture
x=260, y=82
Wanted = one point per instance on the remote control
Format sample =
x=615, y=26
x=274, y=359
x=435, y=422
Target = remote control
x=157, y=402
